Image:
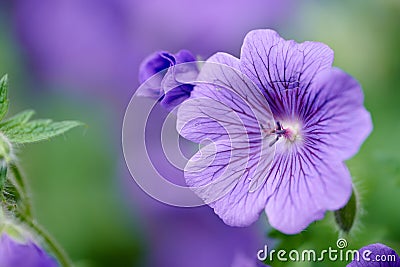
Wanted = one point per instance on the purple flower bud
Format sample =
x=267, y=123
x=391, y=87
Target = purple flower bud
x=161, y=61
x=21, y=251
x=377, y=255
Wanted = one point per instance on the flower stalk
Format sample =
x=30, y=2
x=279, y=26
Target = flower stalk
x=51, y=244
x=14, y=191
x=24, y=214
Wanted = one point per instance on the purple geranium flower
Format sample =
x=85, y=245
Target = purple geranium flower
x=376, y=255
x=23, y=254
x=282, y=121
x=161, y=61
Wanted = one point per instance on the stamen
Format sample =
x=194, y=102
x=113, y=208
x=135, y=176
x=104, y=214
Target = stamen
x=278, y=131
x=274, y=141
x=278, y=125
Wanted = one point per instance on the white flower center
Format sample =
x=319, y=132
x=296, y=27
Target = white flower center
x=292, y=131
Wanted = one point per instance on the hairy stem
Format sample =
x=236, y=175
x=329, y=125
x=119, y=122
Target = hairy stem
x=26, y=217
x=51, y=244
x=21, y=186
x=3, y=174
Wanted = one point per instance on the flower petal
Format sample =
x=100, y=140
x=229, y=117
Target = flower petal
x=304, y=185
x=225, y=104
x=335, y=118
x=155, y=63
x=174, y=97
x=228, y=109
x=221, y=175
x=275, y=64
x=184, y=56
x=159, y=77
x=29, y=254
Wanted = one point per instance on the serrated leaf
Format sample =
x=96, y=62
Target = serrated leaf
x=3, y=96
x=38, y=130
x=21, y=118
x=346, y=216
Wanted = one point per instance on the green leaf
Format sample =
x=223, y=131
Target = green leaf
x=3, y=96
x=38, y=130
x=16, y=120
x=346, y=216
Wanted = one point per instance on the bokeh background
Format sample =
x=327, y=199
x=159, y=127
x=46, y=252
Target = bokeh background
x=79, y=59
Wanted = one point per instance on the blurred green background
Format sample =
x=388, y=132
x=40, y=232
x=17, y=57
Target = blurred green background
x=76, y=179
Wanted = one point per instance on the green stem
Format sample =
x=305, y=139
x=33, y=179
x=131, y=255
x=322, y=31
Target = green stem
x=26, y=217
x=21, y=185
x=52, y=245
x=3, y=174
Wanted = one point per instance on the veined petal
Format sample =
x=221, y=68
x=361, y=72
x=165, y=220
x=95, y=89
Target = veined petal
x=303, y=185
x=228, y=109
x=202, y=118
x=223, y=71
x=221, y=174
x=275, y=64
x=335, y=119
x=225, y=104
